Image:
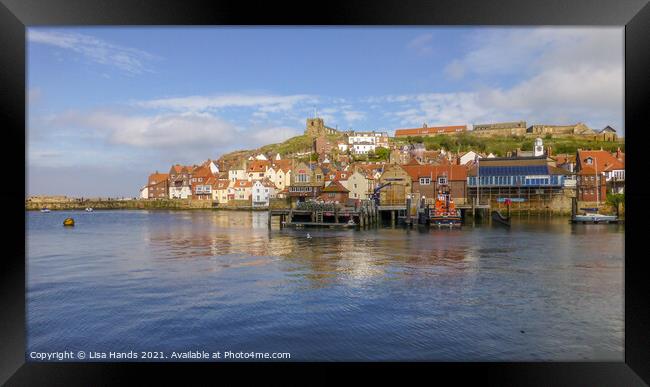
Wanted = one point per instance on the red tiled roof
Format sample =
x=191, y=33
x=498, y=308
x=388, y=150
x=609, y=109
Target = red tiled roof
x=603, y=161
x=257, y=165
x=243, y=184
x=156, y=178
x=430, y=130
x=202, y=172
x=177, y=168
x=335, y=186
x=564, y=158
x=221, y=183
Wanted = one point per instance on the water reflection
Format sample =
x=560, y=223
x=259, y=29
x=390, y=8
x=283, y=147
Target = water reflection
x=329, y=256
x=382, y=294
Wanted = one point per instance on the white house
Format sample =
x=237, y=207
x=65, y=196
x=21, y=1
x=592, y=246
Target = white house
x=282, y=178
x=220, y=191
x=144, y=192
x=263, y=191
x=237, y=174
x=182, y=192
x=358, y=185
x=466, y=157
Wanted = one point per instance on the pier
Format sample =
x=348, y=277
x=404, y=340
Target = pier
x=332, y=215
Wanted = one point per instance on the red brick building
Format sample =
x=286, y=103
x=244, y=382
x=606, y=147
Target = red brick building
x=596, y=172
x=322, y=145
x=158, y=186
x=590, y=187
x=428, y=179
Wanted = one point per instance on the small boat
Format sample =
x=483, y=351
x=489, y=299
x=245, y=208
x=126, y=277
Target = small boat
x=500, y=219
x=89, y=209
x=45, y=209
x=591, y=215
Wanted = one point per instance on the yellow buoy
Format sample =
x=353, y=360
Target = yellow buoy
x=68, y=222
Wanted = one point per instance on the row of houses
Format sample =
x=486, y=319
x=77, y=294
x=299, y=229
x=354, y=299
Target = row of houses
x=588, y=174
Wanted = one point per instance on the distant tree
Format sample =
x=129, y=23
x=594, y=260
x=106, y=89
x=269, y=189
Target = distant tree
x=615, y=200
x=313, y=157
x=383, y=153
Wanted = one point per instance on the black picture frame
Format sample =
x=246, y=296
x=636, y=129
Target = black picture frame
x=16, y=15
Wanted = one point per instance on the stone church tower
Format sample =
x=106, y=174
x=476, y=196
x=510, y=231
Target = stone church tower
x=316, y=128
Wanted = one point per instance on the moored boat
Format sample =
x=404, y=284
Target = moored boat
x=500, y=219
x=591, y=215
x=594, y=218
x=45, y=209
x=89, y=209
x=445, y=214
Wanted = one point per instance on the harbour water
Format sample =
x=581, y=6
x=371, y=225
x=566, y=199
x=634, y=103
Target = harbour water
x=212, y=281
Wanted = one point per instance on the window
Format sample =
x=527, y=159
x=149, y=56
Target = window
x=425, y=181
x=442, y=180
x=302, y=178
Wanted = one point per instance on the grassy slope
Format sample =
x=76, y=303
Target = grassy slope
x=497, y=145
x=500, y=145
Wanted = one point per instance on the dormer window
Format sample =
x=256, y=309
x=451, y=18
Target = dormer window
x=442, y=180
x=589, y=160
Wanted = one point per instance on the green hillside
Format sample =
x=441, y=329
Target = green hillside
x=500, y=145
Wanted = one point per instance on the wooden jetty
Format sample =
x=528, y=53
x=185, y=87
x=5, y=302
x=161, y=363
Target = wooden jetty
x=329, y=215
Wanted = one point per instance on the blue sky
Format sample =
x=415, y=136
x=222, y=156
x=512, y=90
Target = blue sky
x=107, y=106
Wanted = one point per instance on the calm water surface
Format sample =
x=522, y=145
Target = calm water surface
x=221, y=281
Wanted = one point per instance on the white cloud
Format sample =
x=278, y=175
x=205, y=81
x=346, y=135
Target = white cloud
x=131, y=60
x=264, y=136
x=264, y=103
x=422, y=44
x=552, y=75
x=354, y=115
x=150, y=131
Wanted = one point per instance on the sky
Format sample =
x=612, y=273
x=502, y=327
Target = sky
x=107, y=106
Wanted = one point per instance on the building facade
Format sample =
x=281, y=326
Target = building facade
x=531, y=179
x=430, y=131
x=157, y=186
x=517, y=128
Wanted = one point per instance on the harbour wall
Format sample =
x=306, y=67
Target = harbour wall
x=62, y=203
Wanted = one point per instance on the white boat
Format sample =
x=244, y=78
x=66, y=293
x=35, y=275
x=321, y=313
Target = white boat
x=593, y=217
x=89, y=209
x=45, y=209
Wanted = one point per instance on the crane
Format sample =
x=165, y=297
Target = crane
x=375, y=193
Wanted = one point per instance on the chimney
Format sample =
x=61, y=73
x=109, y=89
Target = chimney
x=618, y=153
